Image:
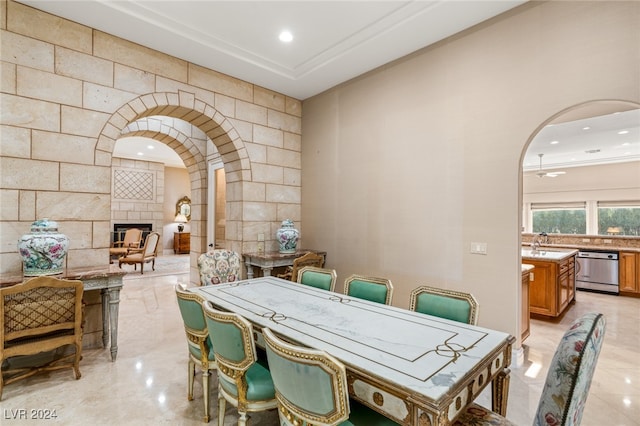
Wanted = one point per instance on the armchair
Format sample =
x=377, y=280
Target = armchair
x=219, y=266
x=568, y=380
x=198, y=342
x=132, y=240
x=308, y=259
x=312, y=388
x=443, y=303
x=369, y=288
x=318, y=277
x=147, y=253
x=40, y=315
x=244, y=379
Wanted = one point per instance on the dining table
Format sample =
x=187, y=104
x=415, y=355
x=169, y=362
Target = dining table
x=414, y=368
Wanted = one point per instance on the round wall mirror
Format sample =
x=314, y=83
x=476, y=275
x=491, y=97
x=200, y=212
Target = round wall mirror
x=183, y=207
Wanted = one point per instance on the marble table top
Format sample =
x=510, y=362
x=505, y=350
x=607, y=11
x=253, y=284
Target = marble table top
x=87, y=273
x=421, y=353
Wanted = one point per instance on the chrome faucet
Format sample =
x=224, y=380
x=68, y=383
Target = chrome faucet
x=535, y=246
x=537, y=242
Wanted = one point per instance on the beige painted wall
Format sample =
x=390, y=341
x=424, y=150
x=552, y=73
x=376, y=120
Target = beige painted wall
x=406, y=166
x=176, y=186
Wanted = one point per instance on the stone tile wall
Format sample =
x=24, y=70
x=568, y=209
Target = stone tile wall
x=68, y=92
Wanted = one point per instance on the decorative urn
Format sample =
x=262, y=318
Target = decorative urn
x=287, y=237
x=43, y=250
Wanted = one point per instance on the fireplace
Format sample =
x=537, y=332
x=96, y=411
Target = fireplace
x=119, y=230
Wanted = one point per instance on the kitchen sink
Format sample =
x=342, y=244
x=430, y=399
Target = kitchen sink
x=544, y=253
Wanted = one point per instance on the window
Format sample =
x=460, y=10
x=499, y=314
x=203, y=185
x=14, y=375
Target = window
x=567, y=218
x=619, y=218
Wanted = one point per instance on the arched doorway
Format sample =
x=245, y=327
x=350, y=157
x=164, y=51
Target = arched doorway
x=559, y=199
x=233, y=155
x=578, y=149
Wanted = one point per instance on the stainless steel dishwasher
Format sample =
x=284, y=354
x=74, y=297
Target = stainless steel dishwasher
x=597, y=270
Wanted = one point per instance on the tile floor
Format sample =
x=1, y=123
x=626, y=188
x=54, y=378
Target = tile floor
x=147, y=383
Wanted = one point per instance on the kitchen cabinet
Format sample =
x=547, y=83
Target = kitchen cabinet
x=181, y=242
x=525, y=329
x=629, y=264
x=553, y=285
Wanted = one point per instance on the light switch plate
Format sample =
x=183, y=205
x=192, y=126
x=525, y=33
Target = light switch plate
x=479, y=248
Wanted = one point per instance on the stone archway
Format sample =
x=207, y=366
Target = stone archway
x=186, y=106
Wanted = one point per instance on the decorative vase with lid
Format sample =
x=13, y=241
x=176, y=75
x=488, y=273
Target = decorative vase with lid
x=287, y=237
x=43, y=250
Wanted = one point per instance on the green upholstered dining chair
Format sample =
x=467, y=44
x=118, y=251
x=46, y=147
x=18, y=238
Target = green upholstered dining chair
x=369, y=288
x=244, y=379
x=198, y=342
x=443, y=303
x=318, y=277
x=568, y=380
x=311, y=388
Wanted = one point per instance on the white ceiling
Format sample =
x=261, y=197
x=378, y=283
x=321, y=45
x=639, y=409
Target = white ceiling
x=609, y=138
x=334, y=41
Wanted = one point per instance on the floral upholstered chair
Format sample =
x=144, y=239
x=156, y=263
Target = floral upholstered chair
x=219, y=266
x=568, y=380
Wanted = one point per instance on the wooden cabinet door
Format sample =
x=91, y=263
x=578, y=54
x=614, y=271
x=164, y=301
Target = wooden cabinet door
x=542, y=288
x=566, y=282
x=629, y=270
x=525, y=329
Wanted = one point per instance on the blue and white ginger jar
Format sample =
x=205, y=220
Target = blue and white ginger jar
x=287, y=237
x=43, y=250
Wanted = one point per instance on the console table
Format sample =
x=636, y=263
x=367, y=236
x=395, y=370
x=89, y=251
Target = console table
x=106, y=279
x=273, y=259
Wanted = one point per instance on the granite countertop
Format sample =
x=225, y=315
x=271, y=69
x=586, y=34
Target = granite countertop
x=588, y=247
x=526, y=268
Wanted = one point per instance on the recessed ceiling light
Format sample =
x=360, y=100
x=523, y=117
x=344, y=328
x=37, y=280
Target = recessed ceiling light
x=285, y=36
x=555, y=142
x=586, y=128
x=150, y=147
x=626, y=144
x=623, y=132
x=141, y=153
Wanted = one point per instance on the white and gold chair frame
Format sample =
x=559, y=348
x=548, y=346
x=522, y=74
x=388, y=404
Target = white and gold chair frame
x=444, y=303
x=199, y=344
x=318, y=277
x=369, y=288
x=235, y=352
x=297, y=392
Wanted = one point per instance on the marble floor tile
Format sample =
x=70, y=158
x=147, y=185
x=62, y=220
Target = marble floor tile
x=148, y=382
